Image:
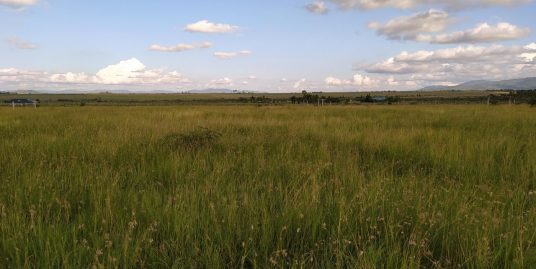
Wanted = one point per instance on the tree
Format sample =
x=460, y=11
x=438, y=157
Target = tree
x=293, y=99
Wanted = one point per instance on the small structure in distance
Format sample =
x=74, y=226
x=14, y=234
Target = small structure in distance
x=379, y=99
x=22, y=102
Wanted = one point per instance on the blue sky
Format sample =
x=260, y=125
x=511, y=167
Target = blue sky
x=277, y=46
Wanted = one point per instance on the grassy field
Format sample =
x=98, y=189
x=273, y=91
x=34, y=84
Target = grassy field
x=259, y=187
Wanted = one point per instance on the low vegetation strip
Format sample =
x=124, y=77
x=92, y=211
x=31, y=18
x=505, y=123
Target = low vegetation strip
x=268, y=187
x=304, y=98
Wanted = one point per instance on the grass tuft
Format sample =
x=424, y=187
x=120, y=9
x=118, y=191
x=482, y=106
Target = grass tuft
x=192, y=140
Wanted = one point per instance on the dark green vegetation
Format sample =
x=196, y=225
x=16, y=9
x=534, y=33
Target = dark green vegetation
x=272, y=186
x=419, y=97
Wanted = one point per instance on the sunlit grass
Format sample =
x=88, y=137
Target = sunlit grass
x=244, y=186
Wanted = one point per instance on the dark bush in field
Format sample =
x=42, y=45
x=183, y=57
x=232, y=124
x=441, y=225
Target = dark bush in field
x=527, y=96
x=368, y=99
x=393, y=99
x=201, y=137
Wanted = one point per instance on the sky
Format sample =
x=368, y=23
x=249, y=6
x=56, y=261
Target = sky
x=268, y=46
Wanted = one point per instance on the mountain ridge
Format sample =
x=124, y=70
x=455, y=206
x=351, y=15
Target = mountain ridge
x=528, y=83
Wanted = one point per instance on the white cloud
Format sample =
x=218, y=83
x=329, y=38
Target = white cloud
x=407, y=4
x=134, y=72
x=17, y=75
x=25, y=76
x=318, y=7
x=299, y=83
x=357, y=80
x=71, y=78
x=361, y=80
x=205, y=26
x=418, y=26
x=459, y=64
x=181, y=47
x=21, y=44
x=408, y=27
x=391, y=81
x=481, y=33
x=223, y=82
x=124, y=73
x=462, y=54
x=159, y=76
x=411, y=83
x=529, y=56
x=230, y=55
x=333, y=81
x=18, y=3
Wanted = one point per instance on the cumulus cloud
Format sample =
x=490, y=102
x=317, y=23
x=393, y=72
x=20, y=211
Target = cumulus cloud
x=461, y=54
x=132, y=71
x=124, y=73
x=529, y=56
x=230, y=55
x=409, y=27
x=299, y=83
x=71, y=78
x=10, y=75
x=336, y=81
x=180, y=47
x=18, y=3
x=357, y=80
x=423, y=61
x=222, y=82
x=419, y=26
x=481, y=33
x=205, y=26
x=371, y=83
x=17, y=75
x=318, y=7
x=391, y=81
x=407, y=4
x=459, y=64
x=21, y=44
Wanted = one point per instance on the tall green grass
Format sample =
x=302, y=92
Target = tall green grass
x=258, y=187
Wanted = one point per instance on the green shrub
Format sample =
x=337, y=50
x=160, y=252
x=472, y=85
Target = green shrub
x=192, y=140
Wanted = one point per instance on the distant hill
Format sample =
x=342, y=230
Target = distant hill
x=512, y=84
x=212, y=91
x=27, y=92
